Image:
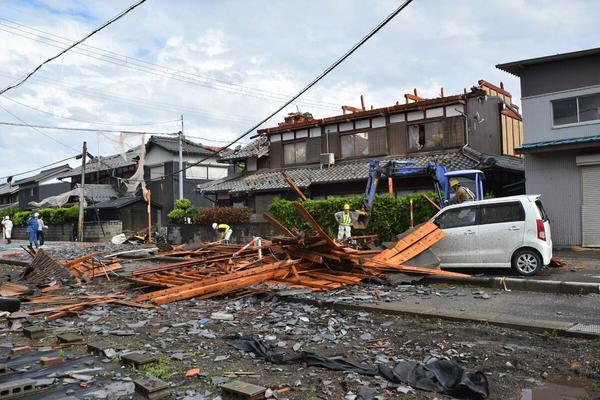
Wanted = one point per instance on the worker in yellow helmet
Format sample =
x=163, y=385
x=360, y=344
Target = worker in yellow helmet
x=461, y=193
x=224, y=231
x=344, y=219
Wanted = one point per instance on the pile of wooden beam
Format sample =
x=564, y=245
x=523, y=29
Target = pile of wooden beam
x=296, y=259
x=90, y=266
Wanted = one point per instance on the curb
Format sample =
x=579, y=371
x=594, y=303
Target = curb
x=530, y=285
x=568, y=329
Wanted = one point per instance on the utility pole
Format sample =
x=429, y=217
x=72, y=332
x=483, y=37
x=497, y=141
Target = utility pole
x=181, y=160
x=82, y=194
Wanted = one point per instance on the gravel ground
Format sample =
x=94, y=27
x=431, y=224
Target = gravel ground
x=184, y=336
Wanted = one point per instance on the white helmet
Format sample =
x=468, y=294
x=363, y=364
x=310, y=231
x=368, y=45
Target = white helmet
x=214, y=225
x=36, y=215
x=7, y=217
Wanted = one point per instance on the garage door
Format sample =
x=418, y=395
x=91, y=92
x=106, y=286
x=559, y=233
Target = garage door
x=590, y=209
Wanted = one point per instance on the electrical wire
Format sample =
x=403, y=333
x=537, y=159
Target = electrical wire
x=65, y=128
x=89, y=122
x=106, y=95
x=109, y=22
x=155, y=69
x=37, y=169
x=38, y=131
x=306, y=88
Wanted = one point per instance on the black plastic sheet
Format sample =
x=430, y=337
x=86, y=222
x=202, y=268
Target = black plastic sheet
x=442, y=376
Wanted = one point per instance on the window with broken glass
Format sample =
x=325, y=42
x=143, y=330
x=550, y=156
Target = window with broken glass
x=355, y=145
x=294, y=153
x=422, y=137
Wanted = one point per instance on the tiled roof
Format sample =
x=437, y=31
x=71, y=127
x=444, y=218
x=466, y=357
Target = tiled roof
x=5, y=188
x=560, y=142
x=100, y=192
x=258, y=147
x=120, y=202
x=103, y=163
x=48, y=173
x=188, y=147
x=350, y=171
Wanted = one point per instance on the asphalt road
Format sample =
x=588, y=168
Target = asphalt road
x=534, y=305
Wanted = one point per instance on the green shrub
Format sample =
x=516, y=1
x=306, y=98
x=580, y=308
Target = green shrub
x=52, y=216
x=222, y=215
x=183, y=209
x=389, y=215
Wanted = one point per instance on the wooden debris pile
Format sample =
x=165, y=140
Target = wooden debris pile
x=60, y=306
x=312, y=261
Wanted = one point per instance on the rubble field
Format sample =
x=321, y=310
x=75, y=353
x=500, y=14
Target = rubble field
x=192, y=334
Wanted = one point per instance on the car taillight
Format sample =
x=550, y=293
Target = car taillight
x=541, y=231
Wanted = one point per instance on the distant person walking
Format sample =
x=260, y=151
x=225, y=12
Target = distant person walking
x=32, y=230
x=224, y=231
x=40, y=232
x=7, y=225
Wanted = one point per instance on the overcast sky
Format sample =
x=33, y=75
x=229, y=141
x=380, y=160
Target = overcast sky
x=225, y=65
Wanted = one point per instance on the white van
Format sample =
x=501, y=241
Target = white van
x=495, y=233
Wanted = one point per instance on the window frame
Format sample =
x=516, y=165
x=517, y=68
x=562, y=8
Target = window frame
x=500, y=204
x=354, y=155
x=579, y=122
x=424, y=123
x=471, y=206
x=295, y=143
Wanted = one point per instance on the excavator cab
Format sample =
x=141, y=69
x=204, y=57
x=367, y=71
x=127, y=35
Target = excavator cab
x=408, y=168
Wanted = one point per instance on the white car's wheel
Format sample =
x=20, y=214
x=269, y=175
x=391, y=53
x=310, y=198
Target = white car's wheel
x=527, y=262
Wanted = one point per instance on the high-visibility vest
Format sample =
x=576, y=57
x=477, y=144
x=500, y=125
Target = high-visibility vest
x=346, y=219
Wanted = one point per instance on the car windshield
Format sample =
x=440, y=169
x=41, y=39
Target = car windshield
x=540, y=207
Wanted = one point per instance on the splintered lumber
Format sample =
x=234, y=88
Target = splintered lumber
x=12, y=289
x=202, y=288
x=214, y=280
x=277, y=225
x=407, y=241
x=315, y=225
x=293, y=185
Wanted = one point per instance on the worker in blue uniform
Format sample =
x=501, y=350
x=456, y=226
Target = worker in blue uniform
x=32, y=230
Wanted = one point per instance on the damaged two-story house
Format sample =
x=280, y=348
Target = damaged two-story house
x=477, y=129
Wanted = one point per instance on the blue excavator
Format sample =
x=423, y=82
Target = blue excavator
x=409, y=168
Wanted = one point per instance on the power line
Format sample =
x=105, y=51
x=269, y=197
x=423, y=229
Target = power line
x=65, y=128
x=38, y=131
x=110, y=21
x=155, y=69
x=310, y=85
x=37, y=169
x=89, y=122
x=106, y=95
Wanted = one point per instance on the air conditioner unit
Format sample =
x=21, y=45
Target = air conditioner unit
x=327, y=159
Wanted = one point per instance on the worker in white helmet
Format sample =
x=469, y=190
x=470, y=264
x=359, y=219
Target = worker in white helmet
x=224, y=231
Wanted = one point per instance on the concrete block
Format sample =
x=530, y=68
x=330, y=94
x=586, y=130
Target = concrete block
x=239, y=390
x=34, y=332
x=138, y=359
x=20, y=350
x=69, y=338
x=98, y=348
x=48, y=361
x=151, y=388
x=17, y=388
